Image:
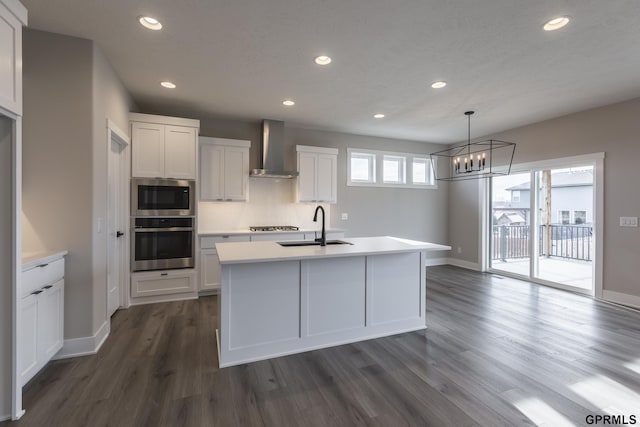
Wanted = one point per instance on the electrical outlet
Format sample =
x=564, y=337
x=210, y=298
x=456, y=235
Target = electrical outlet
x=344, y=216
x=459, y=249
x=628, y=221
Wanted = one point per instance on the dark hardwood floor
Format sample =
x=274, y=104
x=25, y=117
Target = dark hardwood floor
x=497, y=352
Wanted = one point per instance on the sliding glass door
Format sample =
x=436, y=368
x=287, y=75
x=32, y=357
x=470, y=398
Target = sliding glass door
x=542, y=226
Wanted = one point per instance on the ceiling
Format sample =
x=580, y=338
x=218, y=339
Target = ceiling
x=239, y=59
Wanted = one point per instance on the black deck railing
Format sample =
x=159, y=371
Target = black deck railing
x=567, y=241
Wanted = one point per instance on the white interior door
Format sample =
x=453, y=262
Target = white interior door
x=117, y=214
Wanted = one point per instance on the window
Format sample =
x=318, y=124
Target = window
x=579, y=217
x=363, y=167
x=422, y=171
x=393, y=169
x=563, y=217
x=373, y=168
x=515, y=196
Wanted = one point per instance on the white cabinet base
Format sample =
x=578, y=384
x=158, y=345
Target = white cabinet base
x=162, y=283
x=270, y=309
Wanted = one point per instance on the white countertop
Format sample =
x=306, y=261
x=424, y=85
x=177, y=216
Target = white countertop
x=33, y=259
x=248, y=252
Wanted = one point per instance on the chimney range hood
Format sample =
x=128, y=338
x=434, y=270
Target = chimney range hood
x=272, y=152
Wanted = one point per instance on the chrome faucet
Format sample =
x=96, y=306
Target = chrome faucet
x=323, y=236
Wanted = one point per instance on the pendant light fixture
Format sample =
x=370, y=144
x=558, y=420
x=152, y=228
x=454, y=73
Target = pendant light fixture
x=474, y=160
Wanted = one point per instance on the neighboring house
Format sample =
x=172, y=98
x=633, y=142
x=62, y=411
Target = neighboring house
x=510, y=218
x=571, y=197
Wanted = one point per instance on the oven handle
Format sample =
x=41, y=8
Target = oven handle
x=154, y=230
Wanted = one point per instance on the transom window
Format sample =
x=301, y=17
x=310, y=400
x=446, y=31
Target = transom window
x=374, y=168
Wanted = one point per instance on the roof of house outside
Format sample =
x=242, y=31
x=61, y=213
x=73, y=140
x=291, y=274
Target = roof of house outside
x=579, y=178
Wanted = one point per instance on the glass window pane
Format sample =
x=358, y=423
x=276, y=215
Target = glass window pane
x=419, y=172
x=360, y=169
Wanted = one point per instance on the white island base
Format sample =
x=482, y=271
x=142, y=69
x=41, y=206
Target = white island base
x=291, y=300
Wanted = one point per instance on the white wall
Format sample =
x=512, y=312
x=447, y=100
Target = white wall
x=615, y=130
x=6, y=293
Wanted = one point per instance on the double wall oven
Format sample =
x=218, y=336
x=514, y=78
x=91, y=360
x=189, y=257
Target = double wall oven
x=163, y=224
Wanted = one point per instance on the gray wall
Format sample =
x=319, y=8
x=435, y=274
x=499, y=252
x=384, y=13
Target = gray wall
x=373, y=211
x=613, y=129
x=57, y=161
x=112, y=101
x=69, y=91
x=376, y=211
x=6, y=246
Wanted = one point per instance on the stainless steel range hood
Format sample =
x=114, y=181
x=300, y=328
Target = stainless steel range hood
x=273, y=152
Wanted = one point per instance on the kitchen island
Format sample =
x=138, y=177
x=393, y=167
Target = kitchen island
x=278, y=300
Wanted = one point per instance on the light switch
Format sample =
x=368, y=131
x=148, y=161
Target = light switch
x=628, y=221
x=344, y=216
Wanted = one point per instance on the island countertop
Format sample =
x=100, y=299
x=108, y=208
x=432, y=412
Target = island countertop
x=251, y=252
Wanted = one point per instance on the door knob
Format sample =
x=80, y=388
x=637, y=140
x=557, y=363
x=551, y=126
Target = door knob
x=119, y=234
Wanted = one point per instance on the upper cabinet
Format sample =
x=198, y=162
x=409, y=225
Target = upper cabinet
x=224, y=169
x=318, y=168
x=12, y=17
x=163, y=147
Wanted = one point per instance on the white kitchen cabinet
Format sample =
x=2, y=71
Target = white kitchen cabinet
x=42, y=326
x=318, y=168
x=224, y=169
x=12, y=17
x=163, y=147
x=209, y=264
x=162, y=282
x=278, y=237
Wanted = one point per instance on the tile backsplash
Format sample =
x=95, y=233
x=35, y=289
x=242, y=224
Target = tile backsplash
x=271, y=202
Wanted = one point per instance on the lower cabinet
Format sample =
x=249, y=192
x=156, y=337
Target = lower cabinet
x=209, y=265
x=162, y=282
x=42, y=328
x=209, y=270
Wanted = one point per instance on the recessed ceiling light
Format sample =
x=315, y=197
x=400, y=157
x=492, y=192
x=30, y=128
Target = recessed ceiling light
x=323, y=60
x=288, y=102
x=149, y=22
x=378, y=116
x=556, y=23
x=438, y=85
x=168, y=85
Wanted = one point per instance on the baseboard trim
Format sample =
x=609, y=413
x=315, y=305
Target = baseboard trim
x=464, y=264
x=620, y=298
x=4, y=417
x=163, y=298
x=86, y=345
x=436, y=261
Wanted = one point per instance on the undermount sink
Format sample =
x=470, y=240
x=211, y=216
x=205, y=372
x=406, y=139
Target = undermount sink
x=313, y=243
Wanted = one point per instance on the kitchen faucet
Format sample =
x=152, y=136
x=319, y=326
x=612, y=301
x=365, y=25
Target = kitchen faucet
x=323, y=236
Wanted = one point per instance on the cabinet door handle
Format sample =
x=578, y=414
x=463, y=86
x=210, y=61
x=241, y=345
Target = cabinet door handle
x=219, y=200
x=229, y=200
x=164, y=274
x=42, y=265
x=47, y=287
x=39, y=291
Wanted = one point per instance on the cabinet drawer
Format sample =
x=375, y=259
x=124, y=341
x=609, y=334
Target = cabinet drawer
x=209, y=242
x=162, y=282
x=277, y=237
x=42, y=275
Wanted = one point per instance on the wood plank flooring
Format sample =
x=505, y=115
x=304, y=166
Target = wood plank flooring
x=497, y=352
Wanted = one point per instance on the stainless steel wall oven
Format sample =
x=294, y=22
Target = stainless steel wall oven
x=162, y=243
x=162, y=197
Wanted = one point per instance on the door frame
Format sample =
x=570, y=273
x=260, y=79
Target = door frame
x=595, y=159
x=16, y=262
x=115, y=134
